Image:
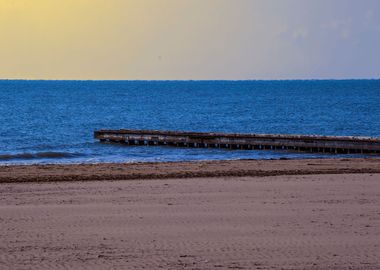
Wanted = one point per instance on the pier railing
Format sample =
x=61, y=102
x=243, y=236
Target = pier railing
x=305, y=143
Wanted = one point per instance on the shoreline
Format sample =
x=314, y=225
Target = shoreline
x=187, y=169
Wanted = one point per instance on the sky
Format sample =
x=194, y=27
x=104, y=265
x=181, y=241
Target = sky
x=189, y=39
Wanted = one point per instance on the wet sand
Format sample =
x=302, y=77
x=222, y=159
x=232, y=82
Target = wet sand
x=289, y=219
x=166, y=170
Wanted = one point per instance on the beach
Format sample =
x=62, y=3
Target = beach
x=249, y=214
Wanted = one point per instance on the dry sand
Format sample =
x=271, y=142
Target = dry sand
x=287, y=221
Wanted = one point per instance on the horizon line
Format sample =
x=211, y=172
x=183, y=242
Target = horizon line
x=190, y=80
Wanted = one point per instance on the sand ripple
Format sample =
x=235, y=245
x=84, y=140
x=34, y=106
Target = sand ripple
x=278, y=222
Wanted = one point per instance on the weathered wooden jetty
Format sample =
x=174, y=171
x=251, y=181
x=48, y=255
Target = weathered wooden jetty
x=303, y=143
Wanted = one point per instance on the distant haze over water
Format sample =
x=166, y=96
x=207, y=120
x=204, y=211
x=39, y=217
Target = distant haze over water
x=53, y=121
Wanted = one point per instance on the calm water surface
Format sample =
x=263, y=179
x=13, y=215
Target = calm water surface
x=53, y=121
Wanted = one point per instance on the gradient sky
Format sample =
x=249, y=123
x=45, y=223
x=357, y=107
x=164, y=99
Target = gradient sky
x=189, y=39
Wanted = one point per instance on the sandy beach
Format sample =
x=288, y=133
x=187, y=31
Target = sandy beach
x=274, y=214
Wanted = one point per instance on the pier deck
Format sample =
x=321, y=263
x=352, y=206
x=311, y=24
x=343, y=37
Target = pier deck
x=303, y=143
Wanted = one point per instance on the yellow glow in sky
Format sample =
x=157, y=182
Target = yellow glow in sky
x=73, y=38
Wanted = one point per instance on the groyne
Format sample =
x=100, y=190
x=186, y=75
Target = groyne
x=232, y=141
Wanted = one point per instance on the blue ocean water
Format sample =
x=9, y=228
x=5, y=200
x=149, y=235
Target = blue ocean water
x=53, y=121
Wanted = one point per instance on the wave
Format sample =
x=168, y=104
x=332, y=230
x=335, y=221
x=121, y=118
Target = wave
x=39, y=155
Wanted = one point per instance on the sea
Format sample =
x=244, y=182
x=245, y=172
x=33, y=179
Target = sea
x=53, y=121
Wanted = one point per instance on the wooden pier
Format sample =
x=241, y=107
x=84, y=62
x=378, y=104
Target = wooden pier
x=300, y=143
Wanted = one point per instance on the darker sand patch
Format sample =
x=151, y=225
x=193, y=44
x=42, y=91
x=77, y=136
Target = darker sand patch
x=166, y=170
